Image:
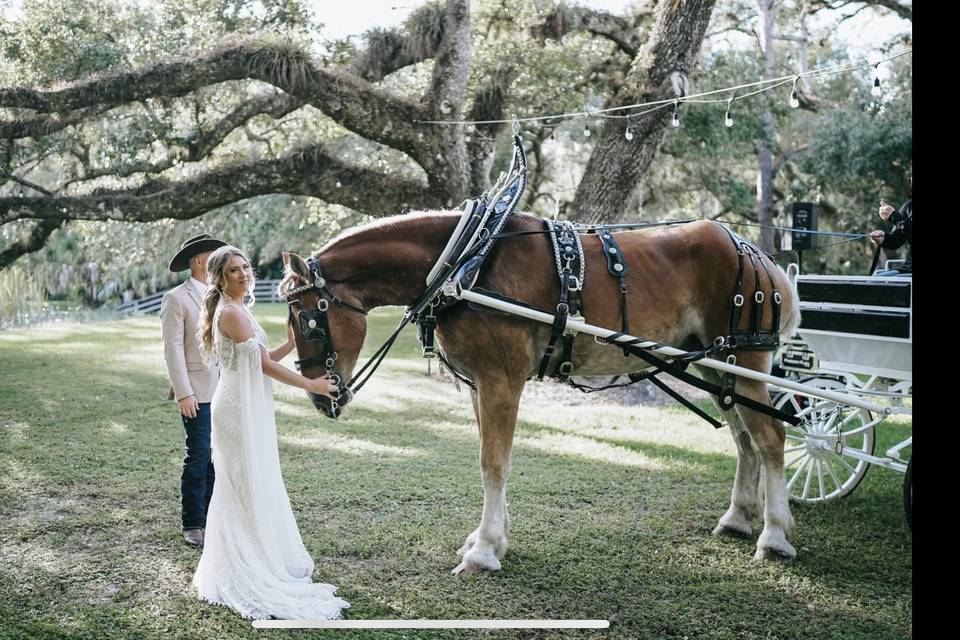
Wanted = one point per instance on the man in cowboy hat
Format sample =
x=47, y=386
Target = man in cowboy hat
x=191, y=381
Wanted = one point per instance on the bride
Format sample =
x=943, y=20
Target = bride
x=253, y=559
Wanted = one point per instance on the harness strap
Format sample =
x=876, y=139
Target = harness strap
x=618, y=268
x=757, y=304
x=737, y=307
x=709, y=387
x=571, y=268
x=777, y=297
x=462, y=378
x=687, y=403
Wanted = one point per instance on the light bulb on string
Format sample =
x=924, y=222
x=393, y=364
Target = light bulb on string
x=727, y=120
x=629, y=134
x=794, y=100
x=875, y=91
x=675, y=120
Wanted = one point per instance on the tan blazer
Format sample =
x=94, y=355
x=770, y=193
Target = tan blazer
x=179, y=317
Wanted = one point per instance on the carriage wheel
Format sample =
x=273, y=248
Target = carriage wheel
x=815, y=472
x=908, y=493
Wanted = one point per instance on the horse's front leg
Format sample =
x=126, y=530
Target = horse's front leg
x=496, y=405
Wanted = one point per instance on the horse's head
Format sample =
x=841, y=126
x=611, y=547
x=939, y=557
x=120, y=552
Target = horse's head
x=329, y=326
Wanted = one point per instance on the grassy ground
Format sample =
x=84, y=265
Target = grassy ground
x=611, y=510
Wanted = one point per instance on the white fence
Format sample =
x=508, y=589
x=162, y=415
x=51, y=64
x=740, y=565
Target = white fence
x=264, y=290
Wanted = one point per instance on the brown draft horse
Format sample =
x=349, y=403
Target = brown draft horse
x=680, y=285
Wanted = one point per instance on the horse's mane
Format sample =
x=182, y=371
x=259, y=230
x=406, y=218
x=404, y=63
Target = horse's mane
x=384, y=224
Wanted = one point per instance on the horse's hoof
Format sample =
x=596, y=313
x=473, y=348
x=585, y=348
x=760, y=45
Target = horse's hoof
x=776, y=554
x=773, y=545
x=734, y=531
x=467, y=544
x=476, y=563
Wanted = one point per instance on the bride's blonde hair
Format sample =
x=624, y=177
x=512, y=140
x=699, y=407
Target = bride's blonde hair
x=216, y=265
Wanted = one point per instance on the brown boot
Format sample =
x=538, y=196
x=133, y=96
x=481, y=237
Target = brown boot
x=193, y=537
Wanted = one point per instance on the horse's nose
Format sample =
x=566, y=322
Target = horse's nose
x=330, y=408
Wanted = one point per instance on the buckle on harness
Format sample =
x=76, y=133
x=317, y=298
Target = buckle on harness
x=776, y=297
x=758, y=296
x=738, y=300
x=727, y=385
x=566, y=368
x=573, y=283
x=571, y=331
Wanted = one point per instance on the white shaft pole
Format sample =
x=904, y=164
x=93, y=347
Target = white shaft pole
x=719, y=365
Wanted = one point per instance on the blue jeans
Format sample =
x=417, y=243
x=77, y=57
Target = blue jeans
x=196, y=483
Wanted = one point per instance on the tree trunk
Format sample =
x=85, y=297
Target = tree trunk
x=617, y=165
x=764, y=153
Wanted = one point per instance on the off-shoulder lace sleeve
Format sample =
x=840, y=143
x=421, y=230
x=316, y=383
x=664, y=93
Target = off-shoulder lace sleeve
x=234, y=355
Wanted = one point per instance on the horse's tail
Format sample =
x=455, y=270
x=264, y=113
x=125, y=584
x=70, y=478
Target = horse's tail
x=790, y=316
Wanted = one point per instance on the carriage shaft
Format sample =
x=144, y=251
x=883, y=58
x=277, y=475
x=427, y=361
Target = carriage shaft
x=719, y=365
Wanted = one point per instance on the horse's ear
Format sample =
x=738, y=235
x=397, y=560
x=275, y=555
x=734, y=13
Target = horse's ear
x=296, y=265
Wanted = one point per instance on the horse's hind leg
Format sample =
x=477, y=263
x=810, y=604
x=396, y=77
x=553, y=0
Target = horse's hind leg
x=496, y=405
x=768, y=436
x=745, y=501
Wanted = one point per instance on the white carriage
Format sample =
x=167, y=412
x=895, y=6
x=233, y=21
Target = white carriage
x=855, y=337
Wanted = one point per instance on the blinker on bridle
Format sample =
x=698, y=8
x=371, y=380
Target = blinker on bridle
x=315, y=325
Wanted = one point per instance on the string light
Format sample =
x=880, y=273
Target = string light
x=629, y=134
x=727, y=120
x=876, y=92
x=766, y=85
x=675, y=120
x=586, y=126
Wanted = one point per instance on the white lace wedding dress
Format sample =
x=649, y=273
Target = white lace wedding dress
x=253, y=558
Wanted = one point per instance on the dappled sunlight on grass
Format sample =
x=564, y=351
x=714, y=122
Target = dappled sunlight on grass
x=15, y=431
x=612, y=501
x=570, y=445
x=644, y=425
x=17, y=477
x=352, y=446
x=67, y=347
x=466, y=427
x=117, y=428
x=303, y=409
x=147, y=356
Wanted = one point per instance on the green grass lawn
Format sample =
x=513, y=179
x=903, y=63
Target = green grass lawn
x=611, y=510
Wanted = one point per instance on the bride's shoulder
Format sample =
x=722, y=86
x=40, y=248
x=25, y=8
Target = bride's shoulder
x=233, y=323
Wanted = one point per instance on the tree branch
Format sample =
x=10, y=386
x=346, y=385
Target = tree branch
x=36, y=127
x=310, y=172
x=351, y=102
x=900, y=8
x=623, y=32
x=34, y=241
x=276, y=105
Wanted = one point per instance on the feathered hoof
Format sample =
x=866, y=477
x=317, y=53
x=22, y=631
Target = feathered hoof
x=733, y=530
x=477, y=563
x=774, y=549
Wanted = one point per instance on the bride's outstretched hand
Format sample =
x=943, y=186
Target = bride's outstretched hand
x=290, y=337
x=324, y=386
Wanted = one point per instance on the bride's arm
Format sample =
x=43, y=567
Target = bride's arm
x=236, y=327
x=281, y=351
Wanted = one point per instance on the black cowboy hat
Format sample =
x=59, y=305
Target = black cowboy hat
x=199, y=244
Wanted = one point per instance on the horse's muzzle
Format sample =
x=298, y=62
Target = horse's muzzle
x=332, y=408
